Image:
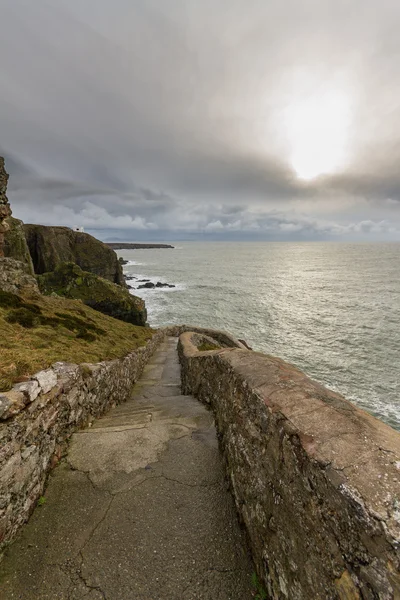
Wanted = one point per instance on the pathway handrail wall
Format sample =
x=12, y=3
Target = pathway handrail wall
x=315, y=479
x=38, y=417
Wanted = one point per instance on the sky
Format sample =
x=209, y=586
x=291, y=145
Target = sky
x=188, y=119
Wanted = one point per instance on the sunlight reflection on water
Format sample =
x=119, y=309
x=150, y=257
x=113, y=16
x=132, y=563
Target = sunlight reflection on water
x=333, y=310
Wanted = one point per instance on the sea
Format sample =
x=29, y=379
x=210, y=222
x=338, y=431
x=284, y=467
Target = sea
x=331, y=309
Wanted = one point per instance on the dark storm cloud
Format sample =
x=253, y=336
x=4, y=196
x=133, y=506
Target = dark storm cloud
x=159, y=117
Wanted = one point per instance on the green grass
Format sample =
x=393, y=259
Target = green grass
x=39, y=331
x=205, y=346
x=260, y=593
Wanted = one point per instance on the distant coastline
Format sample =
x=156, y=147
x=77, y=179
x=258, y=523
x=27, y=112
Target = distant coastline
x=128, y=246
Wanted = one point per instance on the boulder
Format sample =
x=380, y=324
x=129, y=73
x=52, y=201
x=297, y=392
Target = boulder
x=15, y=278
x=164, y=285
x=70, y=281
x=148, y=285
x=51, y=246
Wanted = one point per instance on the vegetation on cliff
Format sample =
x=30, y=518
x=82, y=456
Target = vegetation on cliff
x=51, y=246
x=37, y=331
x=70, y=281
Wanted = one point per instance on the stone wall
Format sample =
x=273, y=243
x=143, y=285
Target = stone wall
x=37, y=418
x=225, y=339
x=316, y=481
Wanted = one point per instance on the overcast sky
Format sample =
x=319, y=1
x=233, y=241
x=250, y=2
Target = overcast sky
x=218, y=119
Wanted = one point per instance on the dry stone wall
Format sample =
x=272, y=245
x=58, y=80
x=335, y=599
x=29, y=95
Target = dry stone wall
x=316, y=481
x=37, y=418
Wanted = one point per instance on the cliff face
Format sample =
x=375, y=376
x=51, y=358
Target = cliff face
x=51, y=246
x=15, y=245
x=12, y=236
x=5, y=210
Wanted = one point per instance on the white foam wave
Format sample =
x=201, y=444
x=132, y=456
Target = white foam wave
x=133, y=263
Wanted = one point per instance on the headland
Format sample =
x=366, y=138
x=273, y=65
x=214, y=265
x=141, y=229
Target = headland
x=130, y=246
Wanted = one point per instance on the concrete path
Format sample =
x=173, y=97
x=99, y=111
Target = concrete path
x=138, y=511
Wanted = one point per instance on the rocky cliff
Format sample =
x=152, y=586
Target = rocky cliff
x=5, y=210
x=15, y=245
x=51, y=246
x=12, y=236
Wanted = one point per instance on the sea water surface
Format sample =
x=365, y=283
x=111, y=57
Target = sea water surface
x=331, y=309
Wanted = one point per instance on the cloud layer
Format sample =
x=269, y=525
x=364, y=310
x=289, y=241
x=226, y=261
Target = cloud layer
x=144, y=120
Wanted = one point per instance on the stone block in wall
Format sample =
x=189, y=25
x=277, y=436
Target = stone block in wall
x=47, y=380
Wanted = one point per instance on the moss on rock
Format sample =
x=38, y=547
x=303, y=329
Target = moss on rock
x=15, y=245
x=71, y=281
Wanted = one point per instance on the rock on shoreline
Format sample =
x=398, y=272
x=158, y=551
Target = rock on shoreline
x=150, y=285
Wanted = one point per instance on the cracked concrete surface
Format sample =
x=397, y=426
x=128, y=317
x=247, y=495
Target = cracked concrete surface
x=139, y=510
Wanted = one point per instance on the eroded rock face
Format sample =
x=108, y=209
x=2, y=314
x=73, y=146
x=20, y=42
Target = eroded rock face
x=71, y=281
x=12, y=236
x=51, y=246
x=15, y=245
x=15, y=277
x=5, y=210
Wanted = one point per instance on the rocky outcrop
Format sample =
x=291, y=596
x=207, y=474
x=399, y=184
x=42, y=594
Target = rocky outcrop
x=5, y=210
x=51, y=246
x=315, y=479
x=71, y=281
x=149, y=285
x=15, y=245
x=15, y=278
x=12, y=236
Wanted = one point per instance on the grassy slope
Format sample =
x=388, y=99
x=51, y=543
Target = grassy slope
x=44, y=330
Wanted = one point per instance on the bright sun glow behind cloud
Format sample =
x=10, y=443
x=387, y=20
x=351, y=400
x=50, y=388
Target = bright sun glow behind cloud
x=318, y=134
